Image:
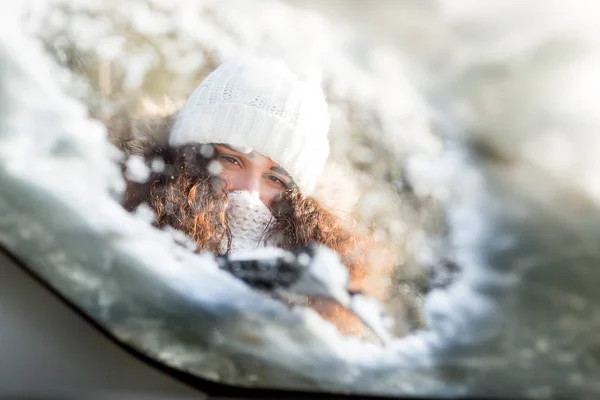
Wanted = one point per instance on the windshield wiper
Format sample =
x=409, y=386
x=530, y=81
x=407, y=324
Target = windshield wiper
x=299, y=273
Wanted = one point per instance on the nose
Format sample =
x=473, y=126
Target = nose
x=248, y=181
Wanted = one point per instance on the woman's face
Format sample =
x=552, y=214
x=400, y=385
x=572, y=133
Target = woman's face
x=252, y=172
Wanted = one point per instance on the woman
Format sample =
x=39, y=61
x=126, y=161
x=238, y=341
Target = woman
x=242, y=158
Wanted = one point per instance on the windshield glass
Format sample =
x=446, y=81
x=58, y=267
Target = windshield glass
x=361, y=197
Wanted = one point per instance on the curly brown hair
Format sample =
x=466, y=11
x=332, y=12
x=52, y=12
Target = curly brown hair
x=184, y=195
x=187, y=197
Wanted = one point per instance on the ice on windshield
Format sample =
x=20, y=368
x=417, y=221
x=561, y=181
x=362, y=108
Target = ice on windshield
x=489, y=124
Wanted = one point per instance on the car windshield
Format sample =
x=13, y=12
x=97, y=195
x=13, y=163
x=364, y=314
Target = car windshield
x=463, y=142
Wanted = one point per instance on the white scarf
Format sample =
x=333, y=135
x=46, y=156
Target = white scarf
x=248, y=220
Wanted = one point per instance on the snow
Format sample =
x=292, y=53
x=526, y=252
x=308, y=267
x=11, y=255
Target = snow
x=521, y=320
x=167, y=277
x=145, y=213
x=326, y=277
x=207, y=150
x=215, y=167
x=157, y=165
x=136, y=169
x=263, y=253
x=371, y=313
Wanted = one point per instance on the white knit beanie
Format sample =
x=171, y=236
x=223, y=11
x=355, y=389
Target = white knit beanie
x=260, y=104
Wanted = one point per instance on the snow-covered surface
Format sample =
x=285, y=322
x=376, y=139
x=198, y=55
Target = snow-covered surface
x=521, y=320
x=326, y=276
x=371, y=313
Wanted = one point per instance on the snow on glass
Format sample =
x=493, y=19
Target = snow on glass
x=517, y=180
x=136, y=169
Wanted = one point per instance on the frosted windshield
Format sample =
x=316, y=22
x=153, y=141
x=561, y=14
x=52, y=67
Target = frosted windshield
x=501, y=142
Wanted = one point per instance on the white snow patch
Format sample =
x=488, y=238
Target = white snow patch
x=157, y=165
x=136, y=169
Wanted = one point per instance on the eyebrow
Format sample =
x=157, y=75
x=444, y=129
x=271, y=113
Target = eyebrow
x=280, y=170
x=249, y=155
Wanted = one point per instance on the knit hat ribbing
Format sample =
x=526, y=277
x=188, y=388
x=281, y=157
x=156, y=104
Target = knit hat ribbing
x=259, y=103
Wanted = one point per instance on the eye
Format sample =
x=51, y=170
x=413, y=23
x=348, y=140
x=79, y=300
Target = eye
x=229, y=159
x=277, y=180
